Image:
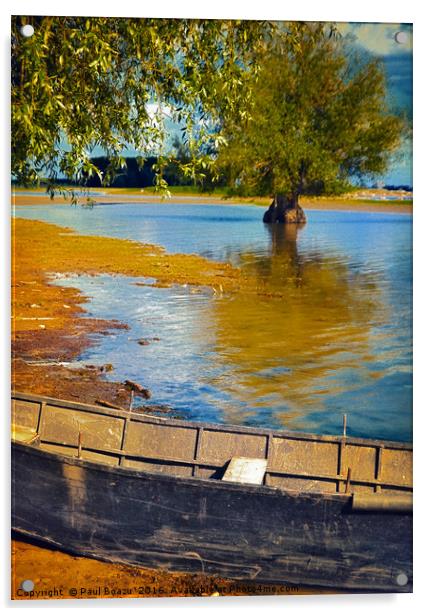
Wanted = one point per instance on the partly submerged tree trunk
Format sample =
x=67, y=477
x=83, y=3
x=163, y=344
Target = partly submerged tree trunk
x=285, y=210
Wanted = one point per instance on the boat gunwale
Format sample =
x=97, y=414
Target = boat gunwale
x=230, y=428
x=183, y=480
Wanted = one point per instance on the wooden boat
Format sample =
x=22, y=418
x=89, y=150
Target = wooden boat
x=242, y=503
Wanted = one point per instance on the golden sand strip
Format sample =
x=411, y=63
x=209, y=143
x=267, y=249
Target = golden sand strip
x=308, y=203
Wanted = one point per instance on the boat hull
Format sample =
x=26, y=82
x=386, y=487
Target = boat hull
x=239, y=532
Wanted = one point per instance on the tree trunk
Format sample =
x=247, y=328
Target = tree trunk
x=286, y=210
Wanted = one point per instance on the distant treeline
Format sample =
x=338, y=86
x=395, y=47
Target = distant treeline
x=136, y=175
x=405, y=187
x=141, y=175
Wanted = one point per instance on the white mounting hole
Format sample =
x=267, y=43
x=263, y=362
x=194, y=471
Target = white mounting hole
x=27, y=30
x=401, y=37
x=27, y=585
x=402, y=579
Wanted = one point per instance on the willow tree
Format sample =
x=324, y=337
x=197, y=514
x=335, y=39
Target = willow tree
x=78, y=83
x=319, y=119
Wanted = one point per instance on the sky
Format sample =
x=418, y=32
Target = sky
x=378, y=39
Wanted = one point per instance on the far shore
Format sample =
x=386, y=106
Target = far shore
x=114, y=195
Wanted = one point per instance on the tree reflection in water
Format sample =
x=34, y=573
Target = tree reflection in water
x=300, y=335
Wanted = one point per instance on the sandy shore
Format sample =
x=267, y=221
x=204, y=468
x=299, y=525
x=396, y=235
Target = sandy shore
x=310, y=203
x=49, y=329
x=49, y=325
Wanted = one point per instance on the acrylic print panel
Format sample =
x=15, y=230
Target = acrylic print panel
x=212, y=307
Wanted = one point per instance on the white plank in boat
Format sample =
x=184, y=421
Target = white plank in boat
x=246, y=470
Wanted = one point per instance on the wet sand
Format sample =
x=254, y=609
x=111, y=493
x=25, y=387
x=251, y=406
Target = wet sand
x=49, y=325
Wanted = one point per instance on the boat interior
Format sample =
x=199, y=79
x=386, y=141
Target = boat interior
x=281, y=459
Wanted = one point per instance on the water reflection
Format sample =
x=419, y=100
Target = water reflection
x=324, y=328
x=304, y=337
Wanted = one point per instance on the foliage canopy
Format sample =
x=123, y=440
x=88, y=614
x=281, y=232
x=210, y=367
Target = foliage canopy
x=78, y=83
x=319, y=119
x=276, y=107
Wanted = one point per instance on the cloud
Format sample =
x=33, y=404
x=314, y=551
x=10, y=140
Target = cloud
x=154, y=109
x=399, y=72
x=379, y=38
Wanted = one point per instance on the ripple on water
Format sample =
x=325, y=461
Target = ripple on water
x=338, y=340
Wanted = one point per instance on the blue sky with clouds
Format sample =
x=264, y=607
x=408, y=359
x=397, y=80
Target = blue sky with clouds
x=378, y=39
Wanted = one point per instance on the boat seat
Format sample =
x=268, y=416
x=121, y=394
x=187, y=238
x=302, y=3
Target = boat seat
x=24, y=434
x=246, y=470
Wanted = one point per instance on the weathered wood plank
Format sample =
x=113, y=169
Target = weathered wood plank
x=295, y=462
x=75, y=406
x=191, y=524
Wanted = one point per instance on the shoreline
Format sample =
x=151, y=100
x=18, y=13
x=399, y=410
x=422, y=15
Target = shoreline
x=51, y=328
x=315, y=203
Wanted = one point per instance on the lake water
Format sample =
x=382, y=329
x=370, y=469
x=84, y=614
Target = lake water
x=339, y=341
